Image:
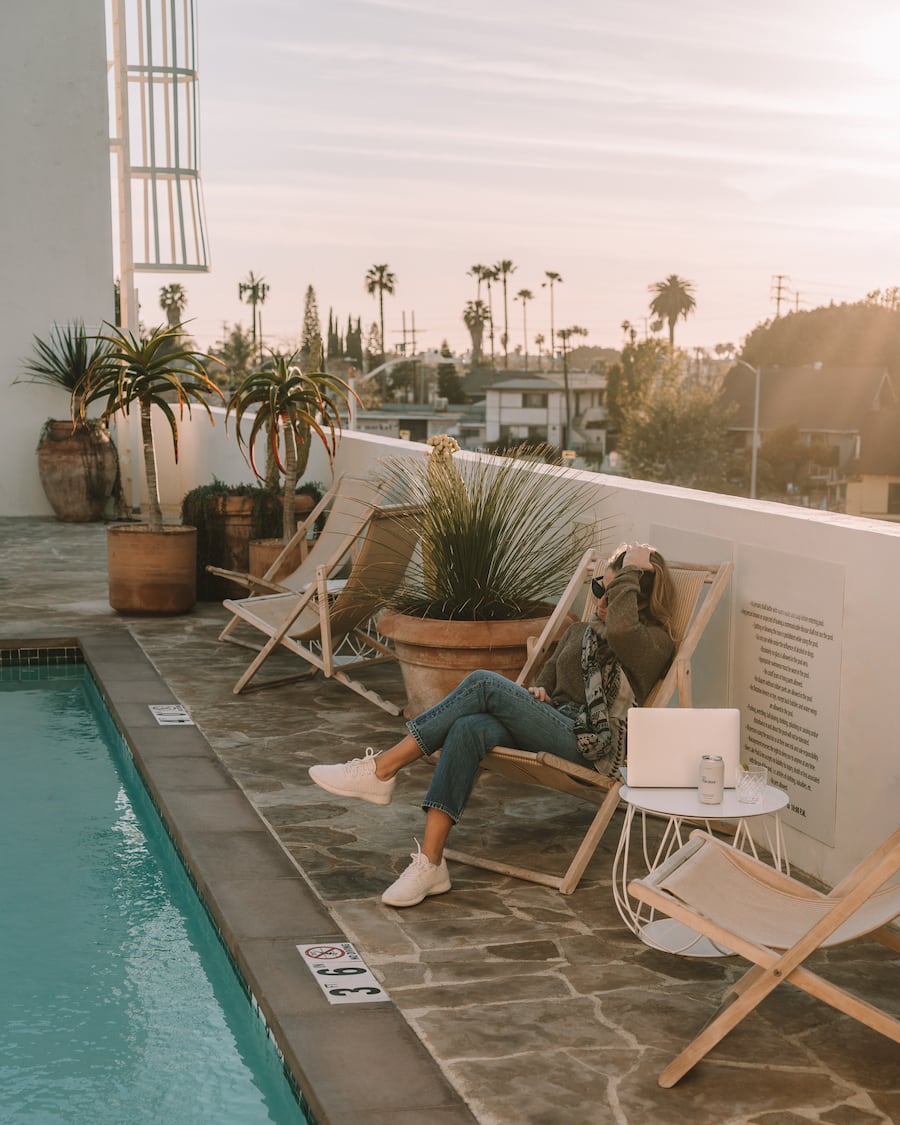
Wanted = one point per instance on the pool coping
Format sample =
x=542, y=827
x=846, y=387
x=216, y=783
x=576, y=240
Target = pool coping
x=351, y=1062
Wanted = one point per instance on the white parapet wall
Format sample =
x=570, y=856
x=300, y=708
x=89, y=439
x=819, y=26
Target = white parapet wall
x=803, y=644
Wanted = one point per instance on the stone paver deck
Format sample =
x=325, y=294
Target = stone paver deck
x=538, y=1008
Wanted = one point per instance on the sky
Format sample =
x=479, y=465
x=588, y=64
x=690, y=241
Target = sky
x=611, y=143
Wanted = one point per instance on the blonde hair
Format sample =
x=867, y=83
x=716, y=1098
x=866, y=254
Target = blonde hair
x=657, y=586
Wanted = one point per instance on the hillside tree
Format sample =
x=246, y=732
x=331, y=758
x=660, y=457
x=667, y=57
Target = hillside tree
x=675, y=431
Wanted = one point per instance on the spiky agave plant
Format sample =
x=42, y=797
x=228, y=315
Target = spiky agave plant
x=499, y=535
x=64, y=358
x=288, y=405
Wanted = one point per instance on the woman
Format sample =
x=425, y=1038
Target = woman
x=576, y=709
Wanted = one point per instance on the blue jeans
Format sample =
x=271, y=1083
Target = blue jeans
x=486, y=710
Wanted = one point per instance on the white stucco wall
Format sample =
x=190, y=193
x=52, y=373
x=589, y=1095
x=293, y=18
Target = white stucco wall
x=55, y=219
x=703, y=527
x=859, y=558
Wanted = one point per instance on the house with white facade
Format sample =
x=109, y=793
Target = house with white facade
x=532, y=408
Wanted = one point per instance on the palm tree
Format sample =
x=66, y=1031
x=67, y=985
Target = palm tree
x=172, y=301
x=539, y=340
x=552, y=279
x=475, y=314
x=629, y=330
x=565, y=335
x=502, y=270
x=479, y=273
x=674, y=298
x=380, y=280
x=288, y=406
x=490, y=274
x=525, y=295
x=254, y=291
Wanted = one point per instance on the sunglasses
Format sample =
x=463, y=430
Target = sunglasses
x=597, y=588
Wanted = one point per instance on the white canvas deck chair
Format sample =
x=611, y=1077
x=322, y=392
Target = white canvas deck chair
x=347, y=504
x=312, y=623
x=776, y=923
x=693, y=613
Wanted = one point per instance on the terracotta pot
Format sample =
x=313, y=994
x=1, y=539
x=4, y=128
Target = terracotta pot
x=77, y=468
x=263, y=552
x=237, y=519
x=435, y=656
x=303, y=505
x=152, y=571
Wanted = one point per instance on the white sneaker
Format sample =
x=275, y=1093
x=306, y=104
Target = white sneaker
x=355, y=779
x=421, y=879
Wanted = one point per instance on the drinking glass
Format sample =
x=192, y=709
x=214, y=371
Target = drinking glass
x=751, y=784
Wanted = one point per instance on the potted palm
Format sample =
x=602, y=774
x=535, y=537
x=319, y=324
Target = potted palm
x=287, y=406
x=152, y=568
x=499, y=539
x=77, y=461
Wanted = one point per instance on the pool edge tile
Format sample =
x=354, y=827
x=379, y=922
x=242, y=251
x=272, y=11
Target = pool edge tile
x=249, y=915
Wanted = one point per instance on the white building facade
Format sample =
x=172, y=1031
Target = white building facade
x=56, y=242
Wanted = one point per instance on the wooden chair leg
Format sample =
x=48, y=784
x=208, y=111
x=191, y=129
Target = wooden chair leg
x=732, y=1010
x=591, y=840
x=567, y=882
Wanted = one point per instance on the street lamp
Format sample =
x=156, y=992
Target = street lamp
x=755, y=445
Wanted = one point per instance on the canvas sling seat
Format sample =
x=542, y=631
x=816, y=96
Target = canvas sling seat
x=698, y=591
x=776, y=923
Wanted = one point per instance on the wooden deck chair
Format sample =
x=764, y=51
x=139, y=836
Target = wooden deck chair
x=774, y=922
x=347, y=505
x=312, y=623
x=692, y=615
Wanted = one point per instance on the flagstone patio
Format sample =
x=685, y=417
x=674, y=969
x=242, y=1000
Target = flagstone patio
x=538, y=1008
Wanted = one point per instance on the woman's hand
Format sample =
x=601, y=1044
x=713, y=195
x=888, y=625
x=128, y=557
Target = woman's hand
x=638, y=554
x=540, y=694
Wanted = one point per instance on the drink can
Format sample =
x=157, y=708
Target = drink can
x=712, y=779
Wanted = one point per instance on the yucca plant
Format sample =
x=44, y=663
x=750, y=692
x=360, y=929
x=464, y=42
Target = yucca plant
x=146, y=371
x=288, y=405
x=499, y=535
x=64, y=358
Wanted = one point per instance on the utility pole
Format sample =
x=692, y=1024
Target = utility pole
x=780, y=290
x=411, y=331
x=418, y=370
x=754, y=449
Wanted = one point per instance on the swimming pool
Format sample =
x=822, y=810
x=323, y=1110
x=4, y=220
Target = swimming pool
x=119, y=1002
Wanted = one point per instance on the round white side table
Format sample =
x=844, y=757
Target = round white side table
x=678, y=806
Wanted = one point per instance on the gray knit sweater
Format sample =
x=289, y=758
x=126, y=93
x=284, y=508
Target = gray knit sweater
x=643, y=647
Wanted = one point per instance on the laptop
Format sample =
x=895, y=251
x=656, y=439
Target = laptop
x=665, y=744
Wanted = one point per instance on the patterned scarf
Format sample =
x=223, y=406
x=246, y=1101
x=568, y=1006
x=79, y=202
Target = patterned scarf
x=600, y=723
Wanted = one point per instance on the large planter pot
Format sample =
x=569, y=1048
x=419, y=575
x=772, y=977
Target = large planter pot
x=152, y=571
x=435, y=656
x=229, y=548
x=263, y=552
x=77, y=468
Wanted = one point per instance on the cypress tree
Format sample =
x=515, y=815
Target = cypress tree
x=311, y=338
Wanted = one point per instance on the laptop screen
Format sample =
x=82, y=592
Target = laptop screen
x=665, y=744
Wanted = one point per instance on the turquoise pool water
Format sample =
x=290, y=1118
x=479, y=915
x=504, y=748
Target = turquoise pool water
x=118, y=1003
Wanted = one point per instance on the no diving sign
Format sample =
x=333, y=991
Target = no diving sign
x=341, y=973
